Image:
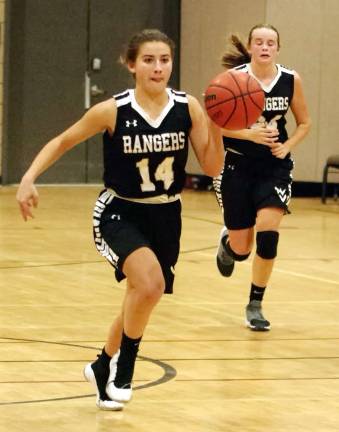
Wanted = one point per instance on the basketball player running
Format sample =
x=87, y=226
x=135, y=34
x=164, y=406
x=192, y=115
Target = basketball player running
x=137, y=217
x=254, y=188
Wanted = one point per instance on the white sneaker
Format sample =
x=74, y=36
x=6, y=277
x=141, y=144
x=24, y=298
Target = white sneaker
x=116, y=393
x=107, y=404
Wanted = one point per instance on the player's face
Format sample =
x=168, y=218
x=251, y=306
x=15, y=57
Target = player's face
x=153, y=66
x=264, y=46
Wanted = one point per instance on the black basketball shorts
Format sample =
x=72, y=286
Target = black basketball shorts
x=121, y=226
x=248, y=185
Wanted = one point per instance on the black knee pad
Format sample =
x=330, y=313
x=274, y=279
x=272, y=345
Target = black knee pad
x=234, y=255
x=267, y=244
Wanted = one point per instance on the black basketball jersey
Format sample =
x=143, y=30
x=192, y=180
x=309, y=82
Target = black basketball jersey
x=146, y=157
x=278, y=97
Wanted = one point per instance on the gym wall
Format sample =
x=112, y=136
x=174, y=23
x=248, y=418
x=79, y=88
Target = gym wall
x=308, y=31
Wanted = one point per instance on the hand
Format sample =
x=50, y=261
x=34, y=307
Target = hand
x=263, y=135
x=279, y=150
x=27, y=196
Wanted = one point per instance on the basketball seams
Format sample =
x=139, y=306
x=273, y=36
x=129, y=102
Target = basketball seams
x=253, y=101
x=231, y=113
x=231, y=91
x=242, y=96
x=233, y=99
x=224, y=100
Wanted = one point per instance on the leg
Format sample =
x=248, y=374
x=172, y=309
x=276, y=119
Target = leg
x=268, y=222
x=234, y=196
x=145, y=286
x=114, y=335
x=234, y=245
x=268, y=219
x=112, y=373
x=140, y=297
x=132, y=241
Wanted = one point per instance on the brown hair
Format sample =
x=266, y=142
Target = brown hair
x=147, y=35
x=237, y=53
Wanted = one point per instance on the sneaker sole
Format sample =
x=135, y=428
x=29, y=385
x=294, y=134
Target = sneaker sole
x=256, y=328
x=119, y=394
x=105, y=405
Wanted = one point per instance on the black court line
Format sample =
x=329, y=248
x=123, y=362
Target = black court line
x=99, y=261
x=75, y=343
x=169, y=373
x=257, y=379
x=183, y=252
x=229, y=359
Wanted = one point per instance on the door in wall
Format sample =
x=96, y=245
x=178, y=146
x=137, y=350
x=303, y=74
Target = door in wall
x=63, y=60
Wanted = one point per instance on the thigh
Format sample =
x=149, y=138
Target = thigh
x=269, y=219
x=236, y=187
x=274, y=186
x=165, y=223
x=117, y=231
x=142, y=268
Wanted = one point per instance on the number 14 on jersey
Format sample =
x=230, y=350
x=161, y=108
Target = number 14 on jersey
x=163, y=172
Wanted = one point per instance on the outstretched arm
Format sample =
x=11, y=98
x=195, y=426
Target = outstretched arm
x=206, y=139
x=97, y=119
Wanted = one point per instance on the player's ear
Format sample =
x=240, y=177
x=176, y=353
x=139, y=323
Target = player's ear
x=131, y=67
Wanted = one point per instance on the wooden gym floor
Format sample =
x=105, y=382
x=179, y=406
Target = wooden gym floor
x=199, y=368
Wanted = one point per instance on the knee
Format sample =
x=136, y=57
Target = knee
x=151, y=288
x=239, y=253
x=240, y=256
x=267, y=244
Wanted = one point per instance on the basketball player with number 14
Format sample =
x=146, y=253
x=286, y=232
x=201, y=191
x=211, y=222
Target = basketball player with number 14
x=137, y=217
x=254, y=189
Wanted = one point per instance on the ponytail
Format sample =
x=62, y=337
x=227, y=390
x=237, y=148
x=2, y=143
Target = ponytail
x=236, y=54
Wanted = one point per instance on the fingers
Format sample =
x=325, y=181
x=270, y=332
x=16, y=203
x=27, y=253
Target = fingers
x=27, y=197
x=279, y=151
x=25, y=209
x=265, y=136
x=35, y=200
x=271, y=136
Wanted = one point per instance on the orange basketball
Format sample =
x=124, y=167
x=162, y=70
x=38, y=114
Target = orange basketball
x=234, y=100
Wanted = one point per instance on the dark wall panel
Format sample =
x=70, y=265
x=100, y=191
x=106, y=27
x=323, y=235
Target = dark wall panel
x=48, y=48
x=46, y=70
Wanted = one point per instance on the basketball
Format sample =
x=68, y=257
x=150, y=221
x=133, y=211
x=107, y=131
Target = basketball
x=234, y=100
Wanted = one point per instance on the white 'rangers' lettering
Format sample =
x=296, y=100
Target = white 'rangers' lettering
x=164, y=142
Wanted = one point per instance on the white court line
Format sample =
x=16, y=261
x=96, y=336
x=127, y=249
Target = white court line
x=302, y=275
x=330, y=281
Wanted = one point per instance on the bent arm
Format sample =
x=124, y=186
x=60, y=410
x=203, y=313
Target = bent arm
x=302, y=119
x=301, y=115
x=206, y=140
x=97, y=119
x=259, y=135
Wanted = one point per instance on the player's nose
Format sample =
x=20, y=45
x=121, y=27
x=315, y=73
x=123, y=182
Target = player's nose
x=158, y=65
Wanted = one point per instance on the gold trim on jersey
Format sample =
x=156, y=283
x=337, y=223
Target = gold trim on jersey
x=159, y=199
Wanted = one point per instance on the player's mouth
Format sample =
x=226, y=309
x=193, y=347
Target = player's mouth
x=158, y=79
